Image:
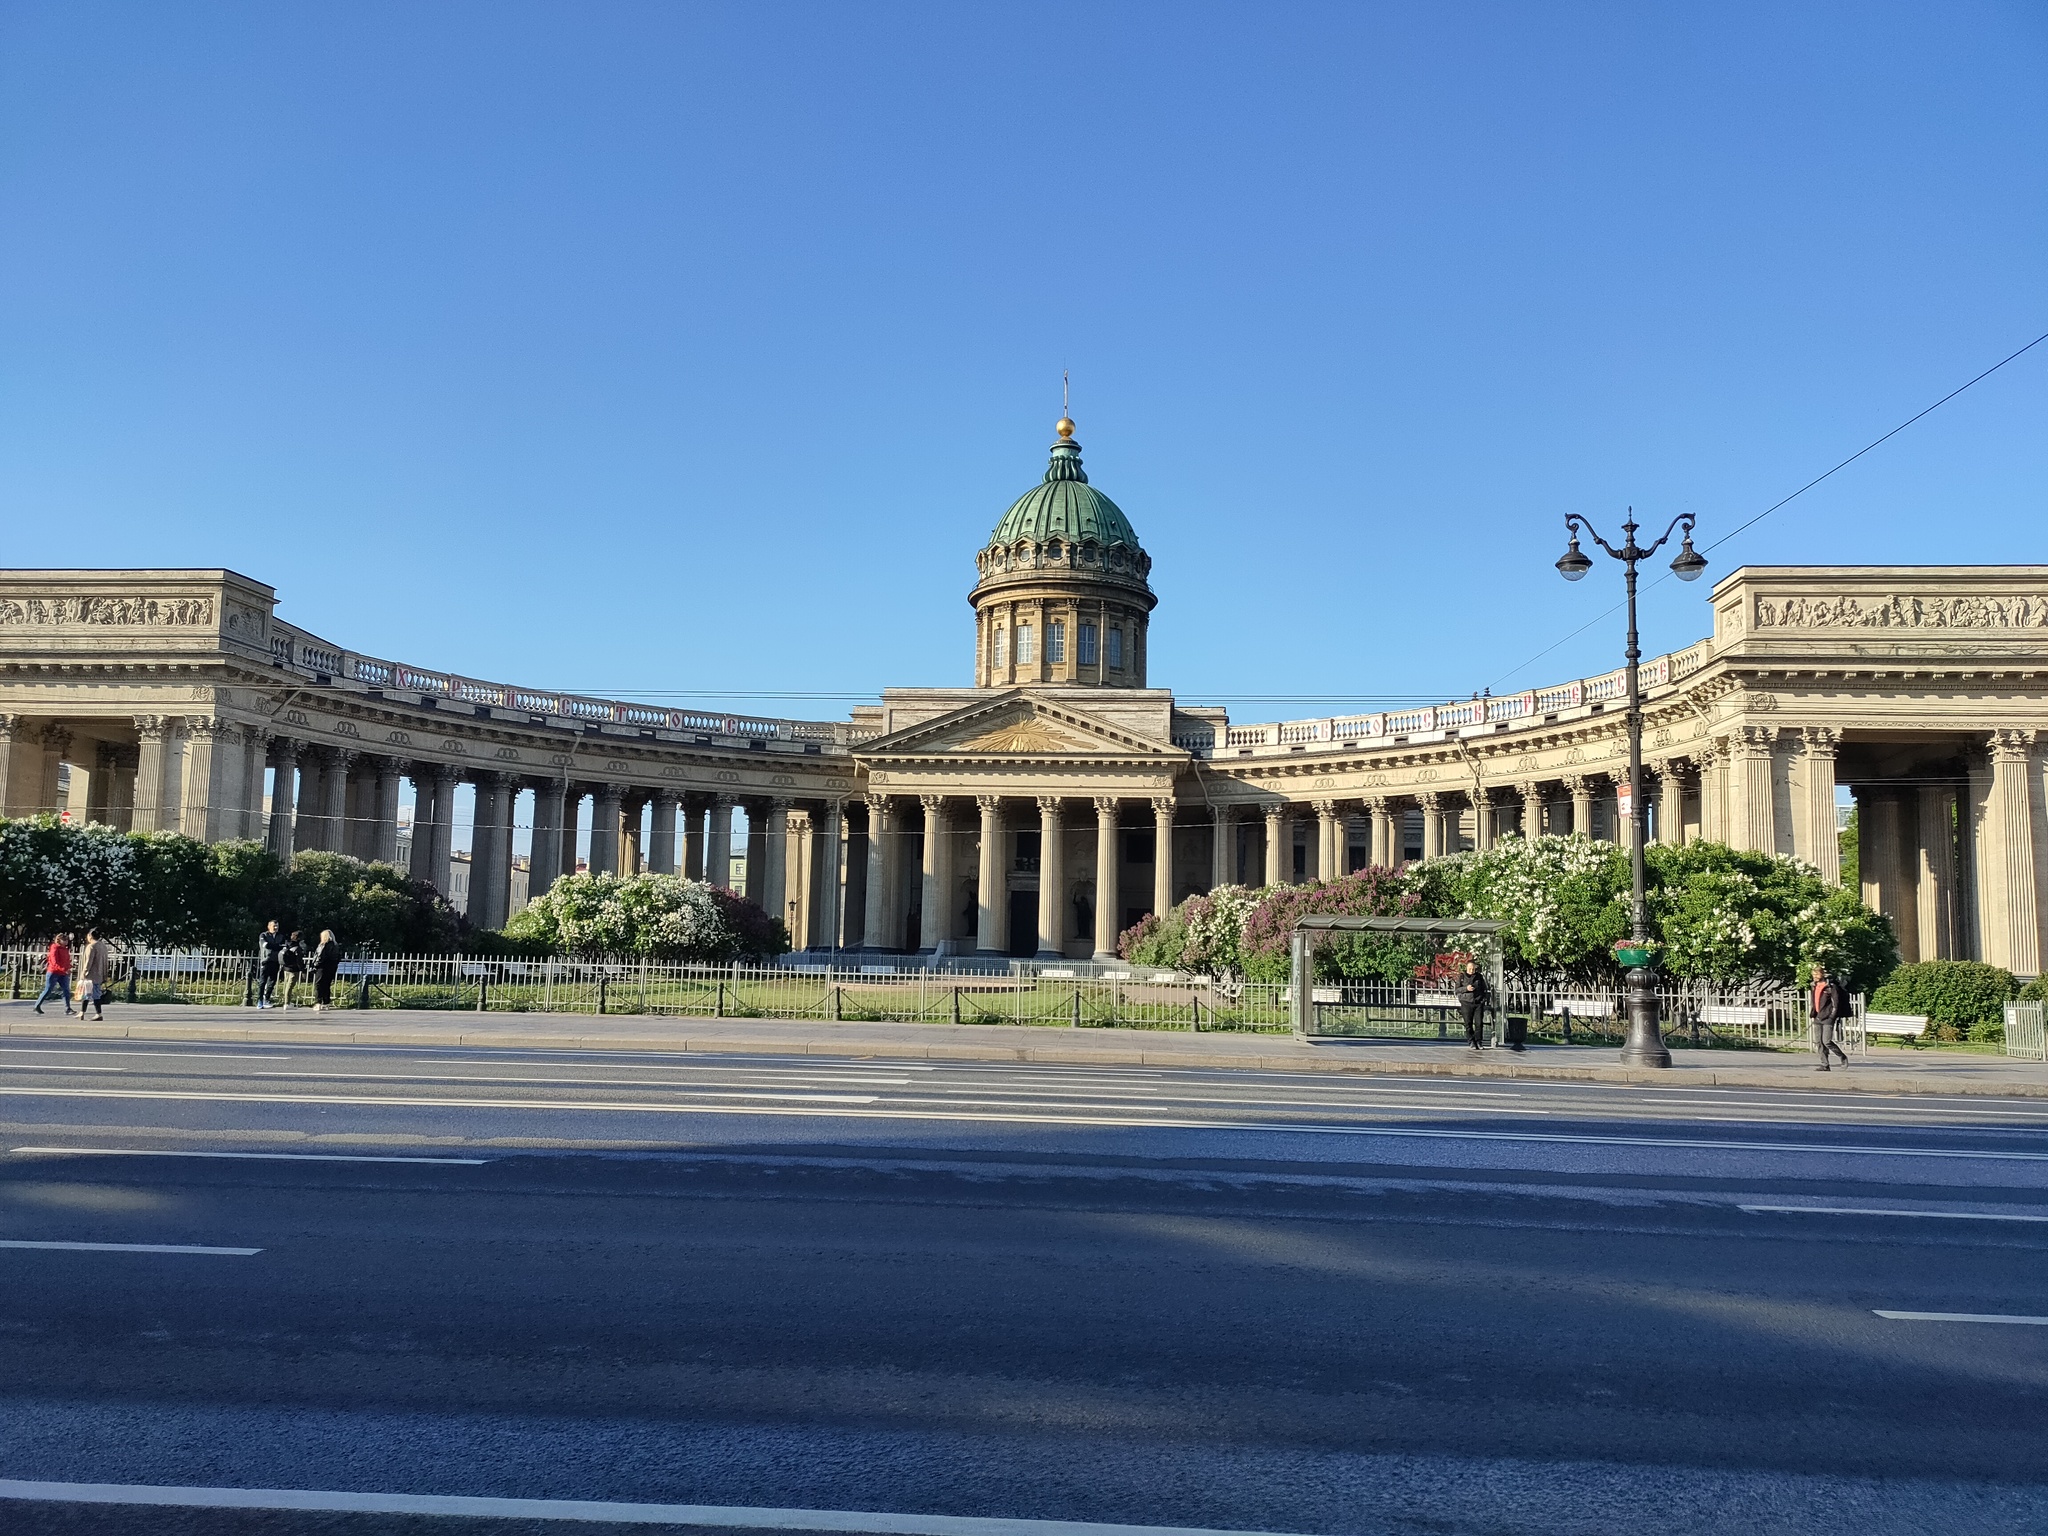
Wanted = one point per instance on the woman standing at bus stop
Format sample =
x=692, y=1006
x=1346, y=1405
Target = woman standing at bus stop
x=323, y=963
x=1472, y=990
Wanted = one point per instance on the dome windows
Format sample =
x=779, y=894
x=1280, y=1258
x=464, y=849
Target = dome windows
x=1115, y=649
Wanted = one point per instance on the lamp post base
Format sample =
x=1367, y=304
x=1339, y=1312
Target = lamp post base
x=1645, y=1045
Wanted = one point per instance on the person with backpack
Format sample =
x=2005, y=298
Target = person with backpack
x=269, y=962
x=1830, y=1002
x=57, y=974
x=291, y=964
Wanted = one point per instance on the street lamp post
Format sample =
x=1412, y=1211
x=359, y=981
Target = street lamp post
x=1645, y=1046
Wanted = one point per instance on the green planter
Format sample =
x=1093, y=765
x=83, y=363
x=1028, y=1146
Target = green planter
x=1629, y=957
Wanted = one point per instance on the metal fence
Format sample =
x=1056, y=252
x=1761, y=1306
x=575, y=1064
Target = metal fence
x=1566, y=1013
x=2026, y=1032
x=446, y=982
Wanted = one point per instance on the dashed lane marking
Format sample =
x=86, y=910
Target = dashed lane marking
x=267, y=1157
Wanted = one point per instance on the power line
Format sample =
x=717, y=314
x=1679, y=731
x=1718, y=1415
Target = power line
x=1774, y=506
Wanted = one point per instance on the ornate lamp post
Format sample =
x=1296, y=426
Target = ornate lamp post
x=1645, y=1047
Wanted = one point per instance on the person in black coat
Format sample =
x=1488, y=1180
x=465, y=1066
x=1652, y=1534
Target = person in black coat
x=269, y=962
x=323, y=963
x=1472, y=994
x=1830, y=1002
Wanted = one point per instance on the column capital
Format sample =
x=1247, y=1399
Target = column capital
x=1326, y=809
x=781, y=803
x=663, y=795
x=1577, y=784
x=444, y=774
x=1376, y=805
x=988, y=804
x=1430, y=800
x=1274, y=814
x=284, y=748
x=493, y=778
x=1049, y=805
x=1822, y=740
x=343, y=758
x=724, y=798
x=56, y=736
x=1164, y=805
x=2011, y=746
x=1108, y=805
x=1755, y=740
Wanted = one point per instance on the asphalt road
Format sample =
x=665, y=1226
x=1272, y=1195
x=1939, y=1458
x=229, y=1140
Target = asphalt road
x=1245, y=1301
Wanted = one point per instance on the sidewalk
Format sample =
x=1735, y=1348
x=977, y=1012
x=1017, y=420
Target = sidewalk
x=1887, y=1072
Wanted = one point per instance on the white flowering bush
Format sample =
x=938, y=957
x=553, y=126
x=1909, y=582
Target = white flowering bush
x=664, y=917
x=1564, y=899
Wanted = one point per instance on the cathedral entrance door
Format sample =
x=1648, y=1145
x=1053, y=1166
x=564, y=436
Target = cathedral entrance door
x=1023, y=924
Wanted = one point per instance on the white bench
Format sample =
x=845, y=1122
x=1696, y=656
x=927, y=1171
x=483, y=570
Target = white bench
x=1910, y=1025
x=1581, y=1008
x=1749, y=1015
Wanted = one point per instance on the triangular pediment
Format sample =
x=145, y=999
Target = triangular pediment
x=1015, y=725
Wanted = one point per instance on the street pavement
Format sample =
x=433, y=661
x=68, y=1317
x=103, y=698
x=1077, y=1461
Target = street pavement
x=1245, y=1300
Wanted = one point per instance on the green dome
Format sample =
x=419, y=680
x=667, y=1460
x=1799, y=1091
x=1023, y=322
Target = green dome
x=1065, y=505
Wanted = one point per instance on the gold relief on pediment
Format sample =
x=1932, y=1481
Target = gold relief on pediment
x=1026, y=734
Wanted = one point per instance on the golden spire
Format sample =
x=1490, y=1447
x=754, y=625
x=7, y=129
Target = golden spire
x=1065, y=425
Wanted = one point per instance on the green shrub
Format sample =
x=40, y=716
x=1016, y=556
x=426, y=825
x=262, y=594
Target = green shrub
x=1959, y=997
x=2035, y=991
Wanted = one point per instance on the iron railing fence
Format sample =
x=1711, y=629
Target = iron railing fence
x=2026, y=1031
x=1569, y=1012
x=1559, y=1011
x=445, y=982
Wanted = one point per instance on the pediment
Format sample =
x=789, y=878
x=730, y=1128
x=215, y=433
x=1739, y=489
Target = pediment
x=1015, y=725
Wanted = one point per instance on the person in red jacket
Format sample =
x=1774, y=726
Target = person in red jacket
x=57, y=973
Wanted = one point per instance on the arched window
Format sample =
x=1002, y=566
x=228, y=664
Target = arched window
x=997, y=648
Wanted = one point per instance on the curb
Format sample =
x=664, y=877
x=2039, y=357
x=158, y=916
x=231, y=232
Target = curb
x=1112, y=1052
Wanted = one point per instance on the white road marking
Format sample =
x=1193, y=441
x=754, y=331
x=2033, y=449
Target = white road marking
x=862, y=1522
x=51, y=1066
x=697, y=1107
x=570, y=1082
x=1852, y=1210
x=239, y=1253
x=271, y=1157
x=1961, y=1317
x=38, y=1050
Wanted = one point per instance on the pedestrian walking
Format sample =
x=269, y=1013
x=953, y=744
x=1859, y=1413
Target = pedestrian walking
x=269, y=962
x=291, y=963
x=323, y=963
x=1472, y=1000
x=57, y=974
x=1830, y=1002
x=92, y=974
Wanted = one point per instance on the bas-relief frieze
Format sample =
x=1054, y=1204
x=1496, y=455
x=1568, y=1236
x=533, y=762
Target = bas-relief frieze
x=2023, y=611
x=108, y=612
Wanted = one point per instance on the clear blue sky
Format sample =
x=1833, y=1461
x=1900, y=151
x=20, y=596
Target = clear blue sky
x=644, y=347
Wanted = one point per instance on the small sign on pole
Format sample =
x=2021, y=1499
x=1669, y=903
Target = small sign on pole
x=1624, y=801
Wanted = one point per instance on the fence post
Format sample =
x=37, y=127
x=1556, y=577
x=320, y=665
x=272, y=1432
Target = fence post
x=1077, y=1007
x=14, y=979
x=133, y=969
x=483, y=993
x=603, y=986
x=956, y=1005
x=547, y=1002
x=721, y=1002
x=1194, y=1015
x=836, y=991
x=249, y=982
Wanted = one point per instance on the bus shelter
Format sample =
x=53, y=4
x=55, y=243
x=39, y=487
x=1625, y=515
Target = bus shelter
x=1417, y=1003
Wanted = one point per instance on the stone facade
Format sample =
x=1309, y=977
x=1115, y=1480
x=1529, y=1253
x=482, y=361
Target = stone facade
x=1042, y=818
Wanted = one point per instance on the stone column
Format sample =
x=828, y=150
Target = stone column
x=1580, y=787
x=632, y=811
x=1347, y=823
x=662, y=835
x=875, y=934
x=1052, y=882
x=1326, y=840
x=605, y=801
x=56, y=743
x=105, y=758
x=1382, y=832
x=1485, y=819
x=441, y=841
x=1162, y=855
x=932, y=903
x=774, y=860
x=421, y=862
x=828, y=829
x=385, y=828
x=255, y=758
x=1432, y=824
x=1936, y=880
x=1107, y=895
x=281, y=835
x=1671, y=805
x=544, y=854
x=572, y=820
x=1714, y=794
x=210, y=760
x=718, y=844
x=1532, y=811
x=490, y=870
x=757, y=856
x=1755, y=806
x=1888, y=861
x=1223, y=838
x=20, y=764
x=1278, y=837
x=1814, y=838
x=334, y=799
x=693, y=841
x=2008, y=900
x=989, y=904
